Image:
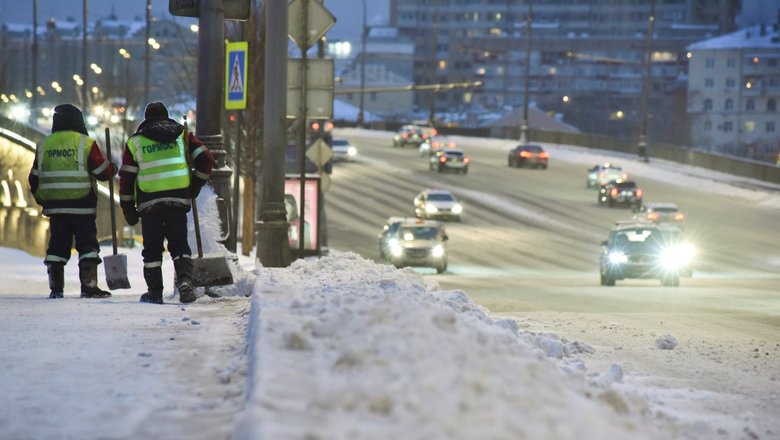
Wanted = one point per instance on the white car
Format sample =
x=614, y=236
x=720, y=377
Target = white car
x=343, y=150
x=438, y=204
x=600, y=174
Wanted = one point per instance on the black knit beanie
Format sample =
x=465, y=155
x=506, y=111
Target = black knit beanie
x=156, y=111
x=68, y=118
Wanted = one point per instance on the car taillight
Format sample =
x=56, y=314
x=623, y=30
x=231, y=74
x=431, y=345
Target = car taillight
x=544, y=154
x=424, y=136
x=404, y=135
x=652, y=216
x=613, y=192
x=601, y=175
x=638, y=192
x=466, y=160
x=434, y=132
x=679, y=216
x=624, y=176
x=442, y=159
x=525, y=154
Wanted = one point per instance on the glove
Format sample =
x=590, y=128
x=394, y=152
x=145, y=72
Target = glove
x=131, y=215
x=196, y=186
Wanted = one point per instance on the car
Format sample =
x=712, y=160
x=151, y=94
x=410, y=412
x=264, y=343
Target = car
x=528, y=155
x=605, y=172
x=343, y=150
x=660, y=212
x=389, y=231
x=412, y=135
x=445, y=159
x=437, y=204
x=418, y=243
x=620, y=192
x=433, y=144
x=645, y=250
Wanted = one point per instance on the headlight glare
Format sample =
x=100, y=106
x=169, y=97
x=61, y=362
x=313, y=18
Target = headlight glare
x=617, y=258
x=437, y=251
x=457, y=209
x=430, y=209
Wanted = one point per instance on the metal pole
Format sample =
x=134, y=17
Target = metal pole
x=147, y=52
x=84, y=60
x=527, y=80
x=211, y=59
x=302, y=129
x=237, y=179
x=273, y=246
x=434, y=80
x=360, y=117
x=34, y=112
x=642, y=146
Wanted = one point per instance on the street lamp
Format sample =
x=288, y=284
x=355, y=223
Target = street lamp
x=642, y=144
x=360, y=116
x=526, y=81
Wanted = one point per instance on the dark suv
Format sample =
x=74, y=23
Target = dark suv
x=643, y=250
x=620, y=192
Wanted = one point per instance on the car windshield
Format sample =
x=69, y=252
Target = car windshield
x=418, y=233
x=441, y=197
x=645, y=238
x=625, y=185
x=455, y=153
x=340, y=142
x=532, y=148
x=665, y=210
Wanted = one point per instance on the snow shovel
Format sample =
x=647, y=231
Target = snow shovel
x=210, y=270
x=115, y=265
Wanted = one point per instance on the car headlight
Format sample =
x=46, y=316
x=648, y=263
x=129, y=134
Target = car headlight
x=430, y=209
x=352, y=151
x=395, y=248
x=457, y=209
x=437, y=251
x=617, y=258
x=677, y=256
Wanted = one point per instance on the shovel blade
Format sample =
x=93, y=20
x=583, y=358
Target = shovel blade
x=211, y=271
x=116, y=272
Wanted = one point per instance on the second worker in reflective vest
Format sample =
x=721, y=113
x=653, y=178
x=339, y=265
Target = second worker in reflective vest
x=156, y=184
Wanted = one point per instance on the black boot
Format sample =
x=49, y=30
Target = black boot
x=183, y=267
x=56, y=273
x=154, y=285
x=88, y=278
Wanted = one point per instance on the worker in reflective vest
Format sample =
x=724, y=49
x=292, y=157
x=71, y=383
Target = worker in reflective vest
x=156, y=182
x=63, y=180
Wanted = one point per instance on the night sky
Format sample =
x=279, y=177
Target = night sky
x=348, y=13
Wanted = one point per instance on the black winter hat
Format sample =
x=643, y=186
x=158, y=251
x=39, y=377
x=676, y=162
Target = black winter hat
x=68, y=118
x=156, y=111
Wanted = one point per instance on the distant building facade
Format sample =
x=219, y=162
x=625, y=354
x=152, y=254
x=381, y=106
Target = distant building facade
x=586, y=57
x=734, y=93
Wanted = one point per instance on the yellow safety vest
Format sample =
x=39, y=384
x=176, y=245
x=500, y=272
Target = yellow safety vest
x=63, y=172
x=161, y=166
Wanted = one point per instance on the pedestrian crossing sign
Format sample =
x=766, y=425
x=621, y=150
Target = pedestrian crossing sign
x=235, y=75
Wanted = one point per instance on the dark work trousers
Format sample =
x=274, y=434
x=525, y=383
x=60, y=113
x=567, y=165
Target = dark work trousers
x=159, y=223
x=64, y=228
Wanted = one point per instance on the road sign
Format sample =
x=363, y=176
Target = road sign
x=235, y=75
x=234, y=9
x=319, y=88
x=320, y=20
x=319, y=152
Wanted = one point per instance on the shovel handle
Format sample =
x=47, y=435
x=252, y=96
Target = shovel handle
x=111, y=192
x=192, y=199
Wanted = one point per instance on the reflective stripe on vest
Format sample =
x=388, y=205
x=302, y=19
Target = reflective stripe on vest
x=161, y=166
x=62, y=166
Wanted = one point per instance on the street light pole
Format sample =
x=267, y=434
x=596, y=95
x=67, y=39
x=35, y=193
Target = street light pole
x=273, y=246
x=34, y=88
x=642, y=146
x=148, y=51
x=361, y=116
x=527, y=79
x=434, y=80
x=84, y=58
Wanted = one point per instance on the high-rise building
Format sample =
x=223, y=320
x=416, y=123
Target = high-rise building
x=586, y=56
x=734, y=93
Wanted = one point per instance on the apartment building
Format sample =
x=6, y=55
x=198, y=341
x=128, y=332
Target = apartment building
x=734, y=93
x=586, y=56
